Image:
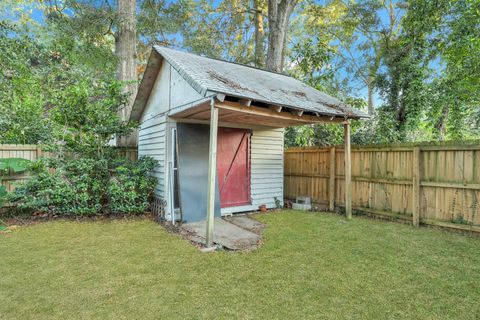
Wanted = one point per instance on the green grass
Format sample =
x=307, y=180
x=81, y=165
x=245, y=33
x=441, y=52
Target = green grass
x=312, y=266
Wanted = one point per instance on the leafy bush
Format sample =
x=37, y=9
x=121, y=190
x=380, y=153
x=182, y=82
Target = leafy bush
x=130, y=185
x=14, y=164
x=86, y=186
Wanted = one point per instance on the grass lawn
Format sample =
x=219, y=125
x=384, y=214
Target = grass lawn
x=312, y=266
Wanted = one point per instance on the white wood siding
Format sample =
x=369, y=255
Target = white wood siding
x=181, y=93
x=152, y=132
x=151, y=142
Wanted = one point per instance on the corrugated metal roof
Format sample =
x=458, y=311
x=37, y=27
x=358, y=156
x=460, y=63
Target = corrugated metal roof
x=207, y=74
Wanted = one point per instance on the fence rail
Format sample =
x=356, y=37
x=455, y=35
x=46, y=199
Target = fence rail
x=437, y=185
x=33, y=152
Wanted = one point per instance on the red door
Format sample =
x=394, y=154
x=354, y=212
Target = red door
x=233, y=166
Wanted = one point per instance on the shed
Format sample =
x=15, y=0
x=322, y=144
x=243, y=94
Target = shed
x=216, y=128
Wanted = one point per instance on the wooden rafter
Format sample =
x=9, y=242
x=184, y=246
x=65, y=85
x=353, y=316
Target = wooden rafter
x=297, y=112
x=245, y=102
x=276, y=108
x=300, y=118
x=237, y=112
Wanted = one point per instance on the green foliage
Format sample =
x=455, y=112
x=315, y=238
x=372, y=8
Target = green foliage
x=87, y=117
x=158, y=20
x=221, y=30
x=75, y=187
x=3, y=194
x=62, y=93
x=86, y=186
x=16, y=165
x=23, y=63
x=313, y=135
x=312, y=59
x=363, y=132
x=84, y=32
x=403, y=85
x=51, y=95
x=131, y=186
x=421, y=57
x=59, y=89
x=451, y=30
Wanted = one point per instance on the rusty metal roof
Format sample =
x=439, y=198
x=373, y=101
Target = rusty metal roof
x=207, y=75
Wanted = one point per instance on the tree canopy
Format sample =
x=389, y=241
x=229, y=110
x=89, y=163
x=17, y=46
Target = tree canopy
x=413, y=65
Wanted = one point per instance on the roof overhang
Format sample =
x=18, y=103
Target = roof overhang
x=245, y=113
x=146, y=85
x=234, y=108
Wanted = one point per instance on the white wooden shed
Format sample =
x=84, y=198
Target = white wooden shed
x=188, y=105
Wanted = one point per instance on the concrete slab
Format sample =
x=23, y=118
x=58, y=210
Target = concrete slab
x=224, y=233
x=247, y=223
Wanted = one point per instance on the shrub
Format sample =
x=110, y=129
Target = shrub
x=10, y=164
x=130, y=185
x=86, y=186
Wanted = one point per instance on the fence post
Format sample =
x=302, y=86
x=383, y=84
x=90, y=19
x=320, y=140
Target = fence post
x=416, y=187
x=39, y=153
x=348, y=171
x=331, y=185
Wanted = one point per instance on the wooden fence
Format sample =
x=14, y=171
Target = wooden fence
x=33, y=152
x=437, y=185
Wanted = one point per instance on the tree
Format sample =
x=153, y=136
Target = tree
x=160, y=22
x=421, y=57
x=358, y=32
x=402, y=84
x=125, y=49
x=24, y=87
x=105, y=26
x=451, y=30
x=258, y=8
x=279, y=12
x=311, y=59
x=49, y=80
x=223, y=30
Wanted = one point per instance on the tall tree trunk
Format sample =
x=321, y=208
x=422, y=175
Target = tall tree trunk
x=126, y=51
x=440, y=125
x=279, y=12
x=372, y=74
x=259, y=34
x=371, y=109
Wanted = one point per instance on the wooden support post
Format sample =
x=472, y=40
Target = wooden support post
x=348, y=171
x=212, y=170
x=416, y=187
x=331, y=184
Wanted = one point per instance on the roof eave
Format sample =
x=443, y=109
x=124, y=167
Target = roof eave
x=358, y=116
x=146, y=85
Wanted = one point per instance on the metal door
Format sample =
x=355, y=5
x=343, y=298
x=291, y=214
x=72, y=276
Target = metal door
x=193, y=140
x=233, y=166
